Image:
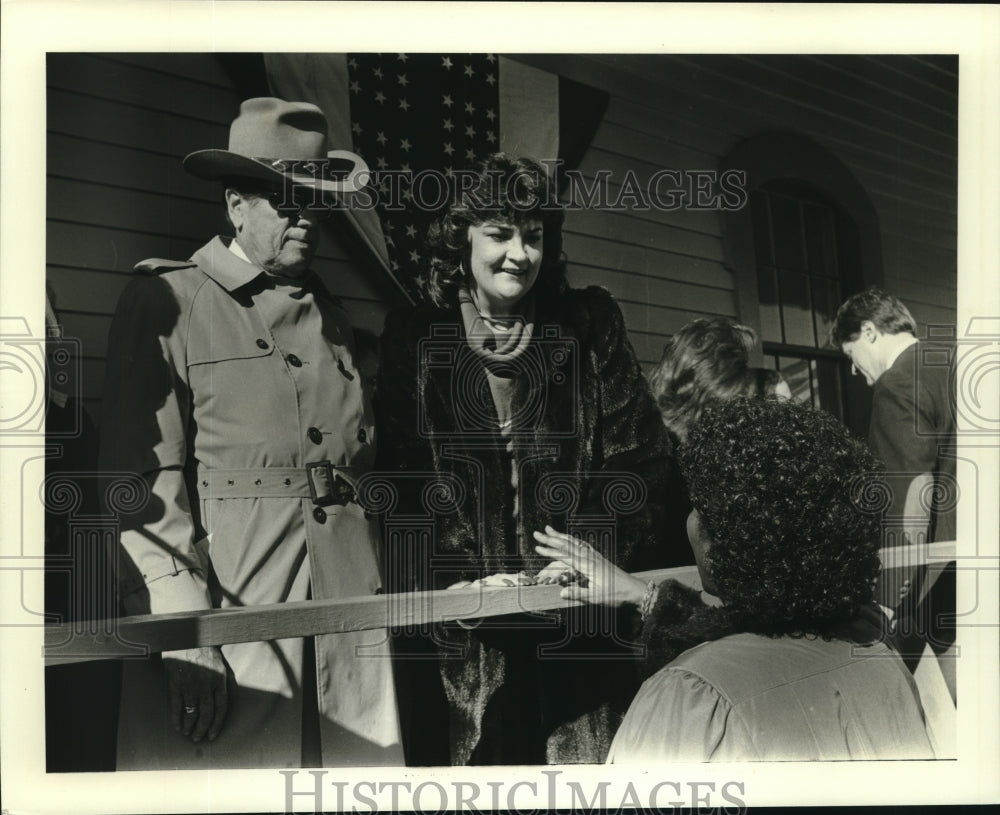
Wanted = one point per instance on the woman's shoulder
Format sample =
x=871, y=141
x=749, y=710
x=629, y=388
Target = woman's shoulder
x=591, y=298
x=590, y=309
x=745, y=664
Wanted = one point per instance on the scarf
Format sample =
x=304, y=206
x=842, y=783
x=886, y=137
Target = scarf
x=498, y=344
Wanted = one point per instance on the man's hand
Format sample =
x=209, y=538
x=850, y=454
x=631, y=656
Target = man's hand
x=199, y=700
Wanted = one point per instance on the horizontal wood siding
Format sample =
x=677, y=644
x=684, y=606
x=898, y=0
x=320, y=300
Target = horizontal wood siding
x=118, y=127
x=892, y=120
x=119, y=124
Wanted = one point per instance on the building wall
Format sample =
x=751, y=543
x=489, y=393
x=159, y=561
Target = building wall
x=891, y=120
x=118, y=125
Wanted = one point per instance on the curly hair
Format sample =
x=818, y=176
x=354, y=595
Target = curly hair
x=776, y=485
x=707, y=361
x=888, y=313
x=509, y=190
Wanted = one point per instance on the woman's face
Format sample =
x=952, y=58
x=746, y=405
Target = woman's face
x=504, y=264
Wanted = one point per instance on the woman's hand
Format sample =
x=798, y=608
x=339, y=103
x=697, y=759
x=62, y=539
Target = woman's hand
x=196, y=681
x=606, y=584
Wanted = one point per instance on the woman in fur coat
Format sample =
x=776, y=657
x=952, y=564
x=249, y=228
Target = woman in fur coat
x=507, y=402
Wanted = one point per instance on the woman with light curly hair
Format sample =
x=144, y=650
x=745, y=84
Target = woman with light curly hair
x=707, y=362
x=783, y=655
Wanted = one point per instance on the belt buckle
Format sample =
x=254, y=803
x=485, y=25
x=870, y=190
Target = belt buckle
x=327, y=486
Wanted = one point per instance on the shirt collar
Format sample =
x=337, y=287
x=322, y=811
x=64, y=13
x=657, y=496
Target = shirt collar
x=236, y=249
x=896, y=355
x=225, y=265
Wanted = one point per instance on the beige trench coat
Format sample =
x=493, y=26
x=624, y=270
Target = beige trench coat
x=222, y=385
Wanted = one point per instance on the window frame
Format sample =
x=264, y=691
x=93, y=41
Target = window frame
x=789, y=157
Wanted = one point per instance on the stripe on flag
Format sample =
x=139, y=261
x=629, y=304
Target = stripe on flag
x=529, y=111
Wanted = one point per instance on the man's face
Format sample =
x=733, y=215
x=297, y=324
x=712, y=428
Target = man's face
x=861, y=352
x=281, y=241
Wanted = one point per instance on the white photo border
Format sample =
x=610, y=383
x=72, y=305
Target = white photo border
x=31, y=29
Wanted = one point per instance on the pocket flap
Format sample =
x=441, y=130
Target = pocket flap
x=226, y=350
x=227, y=336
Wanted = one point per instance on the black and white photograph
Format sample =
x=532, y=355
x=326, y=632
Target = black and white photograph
x=485, y=423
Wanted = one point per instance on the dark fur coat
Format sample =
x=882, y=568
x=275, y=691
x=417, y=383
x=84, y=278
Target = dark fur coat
x=591, y=456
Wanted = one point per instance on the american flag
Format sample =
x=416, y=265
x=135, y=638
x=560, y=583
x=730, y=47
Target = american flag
x=440, y=112
x=416, y=112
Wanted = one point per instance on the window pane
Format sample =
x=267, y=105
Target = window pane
x=797, y=374
x=821, y=243
x=786, y=233
x=796, y=235
x=761, y=228
x=770, y=317
x=796, y=309
x=828, y=386
x=826, y=301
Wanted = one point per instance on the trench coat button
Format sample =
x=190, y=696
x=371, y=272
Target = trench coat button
x=362, y=435
x=262, y=344
x=320, y=515
x=315, y=436
x=294, y=361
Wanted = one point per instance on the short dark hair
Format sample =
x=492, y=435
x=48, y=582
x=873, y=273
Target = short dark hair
x=780, y=490
x=888, y=313
x=707, y=361
x=505, y=189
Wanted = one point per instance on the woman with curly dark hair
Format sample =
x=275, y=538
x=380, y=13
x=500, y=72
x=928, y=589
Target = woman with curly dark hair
x=783, y=655
x=507, y=402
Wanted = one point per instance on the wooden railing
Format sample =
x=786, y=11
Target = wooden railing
x=138, y=636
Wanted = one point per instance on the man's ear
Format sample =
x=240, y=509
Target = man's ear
x=869, y=331
x=234, y=207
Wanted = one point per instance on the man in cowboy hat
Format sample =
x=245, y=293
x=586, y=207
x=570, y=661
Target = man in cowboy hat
x=232, y=389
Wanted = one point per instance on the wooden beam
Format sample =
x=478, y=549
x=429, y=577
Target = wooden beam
x=141, y=635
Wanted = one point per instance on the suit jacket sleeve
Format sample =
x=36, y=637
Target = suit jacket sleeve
x=896, y=417
x=145, y=433
x=893, y=435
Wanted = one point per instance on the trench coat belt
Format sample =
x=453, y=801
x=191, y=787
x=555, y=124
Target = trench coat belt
x=320, y=481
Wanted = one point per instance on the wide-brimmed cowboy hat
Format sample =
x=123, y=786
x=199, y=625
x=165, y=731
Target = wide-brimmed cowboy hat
x=281, y=142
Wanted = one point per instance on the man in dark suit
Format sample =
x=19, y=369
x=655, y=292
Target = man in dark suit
x=912, y=428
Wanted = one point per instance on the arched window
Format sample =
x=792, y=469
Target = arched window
x=807, y=239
